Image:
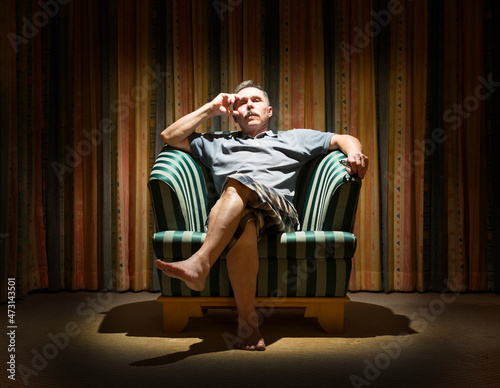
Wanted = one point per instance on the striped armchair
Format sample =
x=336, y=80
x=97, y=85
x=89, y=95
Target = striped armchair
x=309, y=268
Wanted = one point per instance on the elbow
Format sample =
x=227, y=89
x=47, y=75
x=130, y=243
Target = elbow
x=165, y=137
x=169, y=139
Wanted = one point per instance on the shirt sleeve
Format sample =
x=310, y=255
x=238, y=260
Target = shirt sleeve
x=196, y=144
x=313, y=142
x=201, y=148
x=205, y=147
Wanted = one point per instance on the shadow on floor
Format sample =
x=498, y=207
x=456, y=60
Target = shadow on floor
x=217, y=327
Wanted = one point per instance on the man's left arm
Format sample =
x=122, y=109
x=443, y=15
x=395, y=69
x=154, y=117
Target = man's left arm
x=357, y=161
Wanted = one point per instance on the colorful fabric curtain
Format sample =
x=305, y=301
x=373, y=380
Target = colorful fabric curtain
x=407, y=112
x=87, y=87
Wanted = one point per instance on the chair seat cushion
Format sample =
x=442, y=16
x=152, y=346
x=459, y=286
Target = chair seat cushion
x=319, y=245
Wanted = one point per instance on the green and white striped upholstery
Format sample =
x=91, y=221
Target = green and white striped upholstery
x=315, y=261
x=178, y=192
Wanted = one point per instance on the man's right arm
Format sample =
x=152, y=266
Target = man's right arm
x=177, y=134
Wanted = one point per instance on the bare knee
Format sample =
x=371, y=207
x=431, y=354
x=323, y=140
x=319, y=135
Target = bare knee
x=235, y=188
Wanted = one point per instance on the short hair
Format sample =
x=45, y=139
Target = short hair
x=252, y=84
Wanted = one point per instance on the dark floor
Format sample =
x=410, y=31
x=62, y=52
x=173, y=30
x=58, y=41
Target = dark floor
x=86, y=339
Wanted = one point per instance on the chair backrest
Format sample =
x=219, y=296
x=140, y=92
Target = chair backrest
x=326, y=195
x=178, y=192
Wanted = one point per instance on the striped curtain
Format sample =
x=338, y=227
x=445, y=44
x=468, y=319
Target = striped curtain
x=355, y=113
x=407, y=112
x=87, y=87
x=465, y=86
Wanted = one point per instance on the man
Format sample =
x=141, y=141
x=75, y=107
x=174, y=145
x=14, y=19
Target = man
x=255, y=172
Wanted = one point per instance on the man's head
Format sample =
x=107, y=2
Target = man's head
x=252, y=84
x=253, y=108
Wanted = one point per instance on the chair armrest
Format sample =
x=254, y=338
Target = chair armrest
x=329, y=196
x=178, y=192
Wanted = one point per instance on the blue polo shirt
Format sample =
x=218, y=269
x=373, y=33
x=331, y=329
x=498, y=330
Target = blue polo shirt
x=269, y=158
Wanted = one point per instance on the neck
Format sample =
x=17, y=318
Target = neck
x=253, y=133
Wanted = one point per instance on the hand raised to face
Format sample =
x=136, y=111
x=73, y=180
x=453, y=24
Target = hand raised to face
x=221, y=105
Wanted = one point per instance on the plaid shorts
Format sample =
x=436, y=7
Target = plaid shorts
x=272, y=212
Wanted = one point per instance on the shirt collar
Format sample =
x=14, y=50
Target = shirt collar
x=258, y=136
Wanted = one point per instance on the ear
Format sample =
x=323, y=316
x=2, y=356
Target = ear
x=269, y=111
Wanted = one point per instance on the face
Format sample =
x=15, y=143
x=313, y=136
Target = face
x=254, y=111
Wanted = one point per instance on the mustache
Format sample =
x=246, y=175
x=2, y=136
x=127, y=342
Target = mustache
x=249, y=112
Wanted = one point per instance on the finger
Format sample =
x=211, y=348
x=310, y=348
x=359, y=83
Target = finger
x=230, y=112
x=228, y=99
x=363, y=167
x=235, y=99
x=361, y=172
x=353, y=164
x=366, y=162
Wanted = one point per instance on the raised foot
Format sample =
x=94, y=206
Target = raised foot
x=188, y=271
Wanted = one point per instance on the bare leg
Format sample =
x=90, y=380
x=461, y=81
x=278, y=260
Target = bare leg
x=224, y=219
x=243, y=266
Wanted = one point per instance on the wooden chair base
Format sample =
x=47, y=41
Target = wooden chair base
x=329, y=311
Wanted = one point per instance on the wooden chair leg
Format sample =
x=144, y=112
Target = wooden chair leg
x=176, y=315
x=330, y=315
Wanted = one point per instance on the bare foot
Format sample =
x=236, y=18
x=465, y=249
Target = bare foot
x=249, y=337
x=189, y=271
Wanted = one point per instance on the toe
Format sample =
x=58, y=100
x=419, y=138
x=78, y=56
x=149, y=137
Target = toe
x=159, y=264
x=260, y=346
